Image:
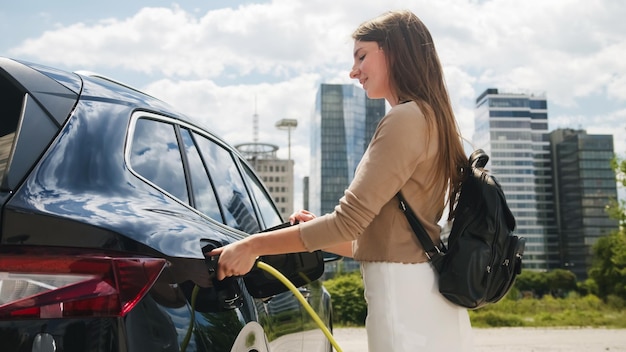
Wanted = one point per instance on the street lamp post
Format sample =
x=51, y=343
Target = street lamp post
x=287, y=124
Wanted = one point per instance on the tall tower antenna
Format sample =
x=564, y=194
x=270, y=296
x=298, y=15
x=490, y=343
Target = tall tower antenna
x=255, y=124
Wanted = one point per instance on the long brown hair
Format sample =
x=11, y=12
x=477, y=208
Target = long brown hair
x=416, y=75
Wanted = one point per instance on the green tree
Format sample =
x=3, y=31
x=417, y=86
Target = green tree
x=617, y=209
x=609, y=264
x=587, y=287
x=349, y=306
x=532, y=281
x=560, y=282
x=557, y=282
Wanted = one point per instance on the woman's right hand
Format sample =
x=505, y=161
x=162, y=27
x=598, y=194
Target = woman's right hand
x=301, y=215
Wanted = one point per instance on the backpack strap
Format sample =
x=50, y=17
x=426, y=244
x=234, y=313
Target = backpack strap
x=478, y=159
x=432, y=251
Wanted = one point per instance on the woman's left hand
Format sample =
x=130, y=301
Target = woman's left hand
x=236, y=259
x=301, y=215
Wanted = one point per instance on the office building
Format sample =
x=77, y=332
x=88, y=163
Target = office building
x=342, y=126
x=277, y=174
x=584, y=182
x=513, y=129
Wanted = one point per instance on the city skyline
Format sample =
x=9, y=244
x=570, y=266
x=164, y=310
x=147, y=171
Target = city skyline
x=513, y=130
x=557, y=184
x=212, y=60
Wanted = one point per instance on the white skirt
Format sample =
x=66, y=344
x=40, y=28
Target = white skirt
x=406, y=312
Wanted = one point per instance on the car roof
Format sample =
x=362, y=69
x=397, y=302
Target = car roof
x=41, y=100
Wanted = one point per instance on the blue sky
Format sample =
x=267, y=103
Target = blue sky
x=221, y=60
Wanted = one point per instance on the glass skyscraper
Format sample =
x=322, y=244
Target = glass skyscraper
x=342, y=126
x=584, y=182
x=513, y=129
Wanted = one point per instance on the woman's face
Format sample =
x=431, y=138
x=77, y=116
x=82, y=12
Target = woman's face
x=370, y=68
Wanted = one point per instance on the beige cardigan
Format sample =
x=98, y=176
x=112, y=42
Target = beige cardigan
x=400, y=156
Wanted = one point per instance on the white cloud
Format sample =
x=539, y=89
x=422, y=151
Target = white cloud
x=573, y=50
x=568, y=48
x=268, y=39
x=229, y=110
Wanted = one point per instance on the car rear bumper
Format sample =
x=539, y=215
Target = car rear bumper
x=90, y=334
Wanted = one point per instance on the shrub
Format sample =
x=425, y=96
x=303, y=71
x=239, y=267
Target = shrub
x=494, y=319
x=568, y=308
x=587, y=287
x=615, y=302
x=349, y=306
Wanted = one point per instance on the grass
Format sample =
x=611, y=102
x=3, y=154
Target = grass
x=574, y=311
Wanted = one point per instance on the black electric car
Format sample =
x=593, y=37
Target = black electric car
x=109, y=199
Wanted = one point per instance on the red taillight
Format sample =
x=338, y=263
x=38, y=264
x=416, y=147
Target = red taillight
x=56, y=286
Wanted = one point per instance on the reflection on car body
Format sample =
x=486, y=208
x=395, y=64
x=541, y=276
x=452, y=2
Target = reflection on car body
x=108, y=196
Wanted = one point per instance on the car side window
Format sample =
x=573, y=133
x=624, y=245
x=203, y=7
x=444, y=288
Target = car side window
x=155, y=155
x=204, y=198
x=231, y=192
x=268, y=211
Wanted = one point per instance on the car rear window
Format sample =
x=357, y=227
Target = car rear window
x=155, y=155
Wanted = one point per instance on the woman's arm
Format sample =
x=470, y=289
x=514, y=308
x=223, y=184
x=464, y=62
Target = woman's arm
x=343, y=249
x=238, y=258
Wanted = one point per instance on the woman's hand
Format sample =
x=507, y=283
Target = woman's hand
x=301, y=216
x=236, y=259
x=343, y=249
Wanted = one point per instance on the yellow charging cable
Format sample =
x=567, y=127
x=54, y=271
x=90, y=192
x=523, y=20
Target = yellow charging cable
x=277, y=274
x=194, y=296
x=302, y=300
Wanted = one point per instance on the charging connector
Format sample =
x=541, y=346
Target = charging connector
x=230, y=295
x=228, y=290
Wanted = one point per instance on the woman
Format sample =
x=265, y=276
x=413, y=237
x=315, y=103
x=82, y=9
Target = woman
x=416, y=149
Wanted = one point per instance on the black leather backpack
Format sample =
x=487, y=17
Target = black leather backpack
x=483, y=256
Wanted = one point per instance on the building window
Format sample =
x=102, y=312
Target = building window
x=538, y=104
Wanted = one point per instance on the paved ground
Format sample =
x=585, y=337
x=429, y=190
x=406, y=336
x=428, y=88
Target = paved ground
x=517, y=340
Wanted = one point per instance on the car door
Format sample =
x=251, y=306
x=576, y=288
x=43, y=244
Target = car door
x=160, y=153
x=311, y=337
x=286, y=313
x=280, y=315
